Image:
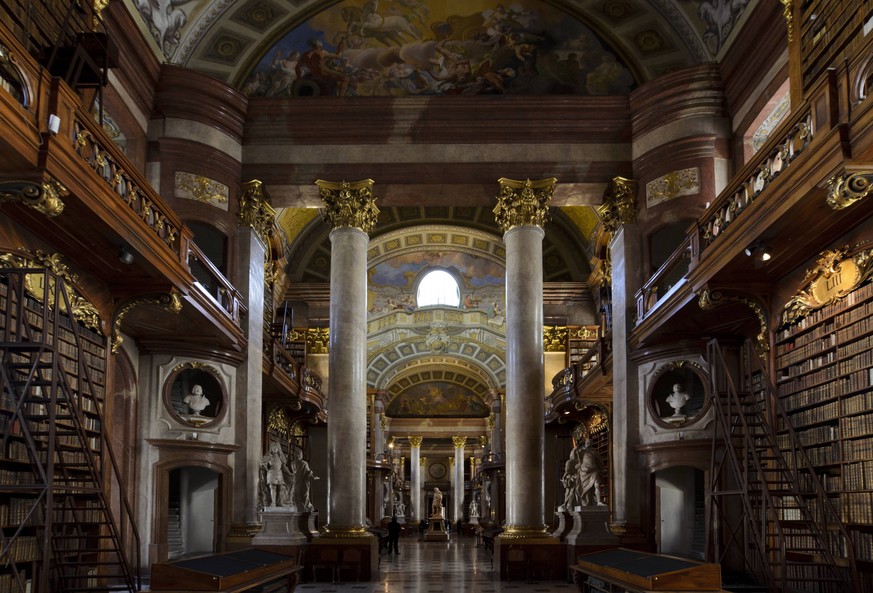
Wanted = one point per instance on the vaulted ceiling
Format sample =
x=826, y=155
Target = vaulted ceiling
x=228, y=39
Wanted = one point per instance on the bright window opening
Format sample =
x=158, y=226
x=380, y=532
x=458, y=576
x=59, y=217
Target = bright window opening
x=438, y=288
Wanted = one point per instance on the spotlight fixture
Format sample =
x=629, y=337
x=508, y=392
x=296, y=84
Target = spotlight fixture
x=125, y=255
x=758, y=251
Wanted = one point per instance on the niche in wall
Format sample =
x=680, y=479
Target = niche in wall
x=678, y=394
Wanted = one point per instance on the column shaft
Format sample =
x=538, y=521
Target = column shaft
x=415, y=479
x=459, y=484
x=347, y=397
x=525, y=430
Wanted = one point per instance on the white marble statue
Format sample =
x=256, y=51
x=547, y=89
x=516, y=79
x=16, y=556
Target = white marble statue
x=677, y=400
x=196, y=400
x=302, y=476
x=474, y=509
x=436, y=507
x=581, y=478
x=274, y=464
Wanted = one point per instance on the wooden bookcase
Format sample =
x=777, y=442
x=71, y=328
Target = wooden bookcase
x=824, y=379
x=51, y=418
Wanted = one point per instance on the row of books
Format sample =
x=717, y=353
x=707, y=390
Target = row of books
x=21, y=511
x=8, y=584
x=807, y=365
x=858, y=508
x=845, y=350
x=790, y=355
x=858, y=475
x=793, y=385
x=824, y=455
x=809, y=416
x=802, y=340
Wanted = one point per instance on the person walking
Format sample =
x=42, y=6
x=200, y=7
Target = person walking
x=393, y=535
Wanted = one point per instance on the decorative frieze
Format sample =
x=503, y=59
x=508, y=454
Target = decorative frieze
x=685, y=182
x=203, y=189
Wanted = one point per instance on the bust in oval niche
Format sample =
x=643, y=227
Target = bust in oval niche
x=195, y=394
x=677, y=395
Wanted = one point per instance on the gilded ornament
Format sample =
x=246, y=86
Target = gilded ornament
x=171, y=302
x=43, y=197
x=708, y=299
x=451, y=462
x=349, y=204
x=789, y=17
x=279, y=423
x=835, y=275
x=523, y=203
x=619, y=204
x=255, y=210
x=524, y=532
x=490, y=421
x=79, y=307
x=586, y=332
x=845, y=191
x=344, y=531
x=459, y=442
x=194, y=365
x=317, y=340
x=422, y=461
x=555, y=338
x=415, y=441
x=202, y=189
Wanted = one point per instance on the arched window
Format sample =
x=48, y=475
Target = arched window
x=438, y=288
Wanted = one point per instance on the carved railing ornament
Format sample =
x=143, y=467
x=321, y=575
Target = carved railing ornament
x=171, y=302
x=710, y=299
x=349, y=204
x=836, y=274
x=523, y=203
x=43, y=197
x=619, y=204
x=845, y=191
x=122, y=183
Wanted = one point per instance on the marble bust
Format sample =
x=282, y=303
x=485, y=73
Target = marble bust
x=196, y=401
x=677, y=400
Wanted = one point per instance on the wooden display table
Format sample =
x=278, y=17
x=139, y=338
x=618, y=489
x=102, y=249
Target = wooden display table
x=620, y=570
x=233, y=572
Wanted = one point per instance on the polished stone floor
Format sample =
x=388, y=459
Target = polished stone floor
x=431, y=567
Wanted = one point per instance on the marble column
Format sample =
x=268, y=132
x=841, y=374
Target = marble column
x=521, y=212
x=618, y=214
x=350, y=210
x=256, y=219
x=495, y=423
x=415, y=477
x=458, y=507
x=378, y=422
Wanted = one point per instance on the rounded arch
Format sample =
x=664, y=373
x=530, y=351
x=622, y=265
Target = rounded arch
x=437, y=286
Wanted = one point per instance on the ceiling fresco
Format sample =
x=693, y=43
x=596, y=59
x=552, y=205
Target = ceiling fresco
x=367, y=48
x=232, y=39
x=435, y=399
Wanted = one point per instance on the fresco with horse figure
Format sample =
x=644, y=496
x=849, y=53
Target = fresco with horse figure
x=423, y=48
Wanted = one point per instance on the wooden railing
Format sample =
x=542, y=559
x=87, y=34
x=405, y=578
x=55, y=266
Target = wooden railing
x=669, y=275
x=213, y=283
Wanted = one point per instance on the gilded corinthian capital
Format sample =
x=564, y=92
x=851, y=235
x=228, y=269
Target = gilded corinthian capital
x=459, y=441
x=255, y=210
x=415, y=441
x=523, y=203
x=619, y=204
x=348, y=204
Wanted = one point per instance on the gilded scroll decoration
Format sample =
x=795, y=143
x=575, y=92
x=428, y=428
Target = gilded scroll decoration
x=835, y=275
x=171, y=301
x=709, y=299
x=255, y=210
x=43, y=197
x=845, y=191
x=81, y=308
x=619, y=204
x=523, y=203
x=348, y=204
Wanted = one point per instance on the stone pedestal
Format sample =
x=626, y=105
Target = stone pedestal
x=591, y=526
x=282, y=527
x=565, y=525
x=436, y=530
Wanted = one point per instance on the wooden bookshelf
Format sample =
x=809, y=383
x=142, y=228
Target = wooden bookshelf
x=824, y=381
x=54, y=442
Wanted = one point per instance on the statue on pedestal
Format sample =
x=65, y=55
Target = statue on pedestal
x=474, y=509
x=302, y=476
x=274, y=476
x=436, y=507
x=581, y=478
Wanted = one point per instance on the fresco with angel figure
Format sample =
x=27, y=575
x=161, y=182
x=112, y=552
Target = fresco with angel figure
x=421, y=48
